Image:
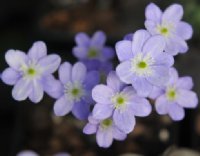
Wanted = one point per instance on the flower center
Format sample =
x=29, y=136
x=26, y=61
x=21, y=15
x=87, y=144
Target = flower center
x=164, y=31
x=74, y=91
x=171, y=94
x=140, y=65
x=119, y=101
x=31, y=71
x=106, y=123
x=93, y=53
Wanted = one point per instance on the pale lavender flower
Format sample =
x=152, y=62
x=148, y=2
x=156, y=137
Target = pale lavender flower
x=32, y=153
x=169, y=25
x=92, y=51
x=119, y=101
x=27, y=153
x=106, y=131
x=72, y=90
x=143, y=62
x=27, y=72
x=175, y=96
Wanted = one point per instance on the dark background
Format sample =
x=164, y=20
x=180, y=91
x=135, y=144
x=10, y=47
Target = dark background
x=24, y=125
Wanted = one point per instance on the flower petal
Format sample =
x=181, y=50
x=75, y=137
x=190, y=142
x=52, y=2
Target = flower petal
x=16, y=59
x=129, y=92
x=118, y=135
x=92, y=79
x=139, y=38
x=140, y=106
x=157, y=91
x=21, y=89
x=102, y=94
x=50, y=63
x=63, y=106
x=173, y=76
x=128, y=37
x=10, y=76
x=65, y=72
x=114, y=82
x=162, y=105
x=176, y=112
x=52, y=87
x=108, y=53
x=27, y=153
x=79, y=72
x=82, y=39
x=37, y=51
x=123, y=71
x=102, y=111
x=142, y=86
x=124, y=50
x=98, y=39
x=185, y=83
x=173, y=14
x=160, y=76
x=80, y=52
x=154, y=49
x=176, y=44
x=81, y=110
x=164, y=59
x=37, y=92
x=90, y=128
x=184, y=30
x=153, y=13
x=104, y=137
x=151, y=26
x=125, y=120
x=187, y=98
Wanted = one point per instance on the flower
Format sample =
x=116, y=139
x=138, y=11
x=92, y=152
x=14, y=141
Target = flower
x=143, y=62
x=169, y=25
x=73, y=89
x=93, y=52
x=175, y=96
x=27, y=72
x=106, y=131
x=119, y=101
x=32, y=153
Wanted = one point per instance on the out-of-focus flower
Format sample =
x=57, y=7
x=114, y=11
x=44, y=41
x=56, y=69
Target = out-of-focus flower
x=169, y=25
x=175, y=96
x=93, y=52
x=27, y=72
x=119, y=101
x=143, y=62
x=105, y=130
x=32, y=153
x=73, y=90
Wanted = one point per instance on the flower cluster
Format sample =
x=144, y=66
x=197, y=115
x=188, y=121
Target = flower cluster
x=145, y=72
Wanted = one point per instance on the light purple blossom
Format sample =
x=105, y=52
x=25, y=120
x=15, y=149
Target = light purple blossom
x=32, y=153
x=27, y=72
x=73, y=90
x=119, y=101
x=169, y=25
x=143, y=62
x=175, y=96
x=106, y=131
x=92, y=51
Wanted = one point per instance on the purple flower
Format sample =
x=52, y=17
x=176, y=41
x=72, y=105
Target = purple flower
x=27, y=153
x=143, y=62
x=128, y=37
x=73, y=90
x=175, y=96
x=169, y=25
x=27, y=72
x=119, y=101
x=92, y=51
x=106, y=131
x=32, y=153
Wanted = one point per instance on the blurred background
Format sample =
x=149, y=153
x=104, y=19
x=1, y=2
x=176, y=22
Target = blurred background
x=24, y=125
